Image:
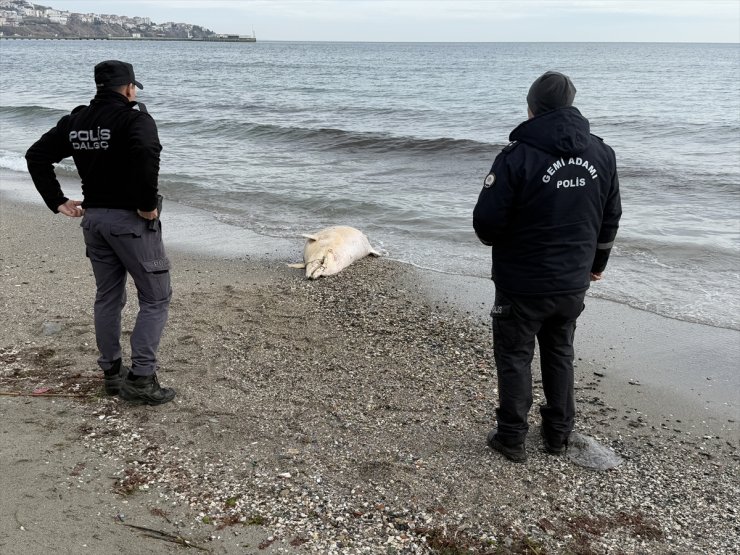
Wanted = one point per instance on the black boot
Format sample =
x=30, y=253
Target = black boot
x=145, y=390
x=553, y=447
x=113, y=377
x=516, y=453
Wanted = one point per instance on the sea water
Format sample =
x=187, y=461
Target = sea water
x=395, y=139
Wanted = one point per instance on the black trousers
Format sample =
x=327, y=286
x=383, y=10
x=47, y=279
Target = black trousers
x=516, y=322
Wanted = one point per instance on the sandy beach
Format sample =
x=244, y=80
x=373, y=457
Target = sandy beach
x=345, y=415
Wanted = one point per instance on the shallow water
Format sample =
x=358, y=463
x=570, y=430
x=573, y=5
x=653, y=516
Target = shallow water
x=395, y=139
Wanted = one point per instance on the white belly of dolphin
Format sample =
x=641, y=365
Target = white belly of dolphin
x=330, y=250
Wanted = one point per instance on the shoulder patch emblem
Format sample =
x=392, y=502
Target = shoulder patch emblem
x=490, y=180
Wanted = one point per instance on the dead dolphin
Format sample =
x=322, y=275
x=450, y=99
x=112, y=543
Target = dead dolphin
x=330, y=250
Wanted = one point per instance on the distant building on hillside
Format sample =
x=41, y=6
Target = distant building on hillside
x=23, y=19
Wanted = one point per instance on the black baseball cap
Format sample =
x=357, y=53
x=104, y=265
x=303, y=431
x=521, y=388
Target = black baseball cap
x=111, y=73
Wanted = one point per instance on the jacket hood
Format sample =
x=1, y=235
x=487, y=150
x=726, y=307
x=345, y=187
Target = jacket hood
x=110, y=96
x=562, y=131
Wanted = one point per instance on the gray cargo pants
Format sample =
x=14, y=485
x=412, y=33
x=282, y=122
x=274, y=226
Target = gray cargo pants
x=119, y=242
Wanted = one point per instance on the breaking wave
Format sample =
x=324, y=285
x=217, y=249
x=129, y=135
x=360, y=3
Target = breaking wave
x=334, y=139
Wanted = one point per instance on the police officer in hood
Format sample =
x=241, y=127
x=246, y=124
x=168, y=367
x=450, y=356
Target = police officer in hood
x=549, y=209
x=115, y=147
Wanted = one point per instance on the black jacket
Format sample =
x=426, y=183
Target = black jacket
x=550, y=206
x=115, y=148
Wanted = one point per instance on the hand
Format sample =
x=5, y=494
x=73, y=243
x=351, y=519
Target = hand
x=148, y=215
x=71, y=208
x=596, y=276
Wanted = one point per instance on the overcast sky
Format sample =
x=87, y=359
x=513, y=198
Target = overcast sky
x=442, y=20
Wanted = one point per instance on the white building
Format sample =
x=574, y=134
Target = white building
x=58, y=19
x=12, y=19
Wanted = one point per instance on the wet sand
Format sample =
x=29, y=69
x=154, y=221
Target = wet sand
x=343, y=415
x=669, y=369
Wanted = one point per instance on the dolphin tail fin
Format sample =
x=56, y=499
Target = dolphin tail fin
x=373, y=252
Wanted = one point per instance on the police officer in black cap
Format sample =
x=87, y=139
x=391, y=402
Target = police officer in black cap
x=115, y=146
x=549, y=209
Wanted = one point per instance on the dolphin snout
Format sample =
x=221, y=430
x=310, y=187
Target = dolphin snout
x=315, y=268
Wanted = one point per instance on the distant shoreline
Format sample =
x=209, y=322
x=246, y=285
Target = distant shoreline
x=168, y=39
